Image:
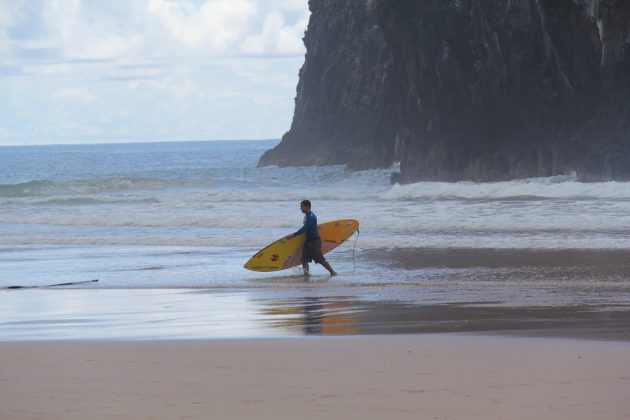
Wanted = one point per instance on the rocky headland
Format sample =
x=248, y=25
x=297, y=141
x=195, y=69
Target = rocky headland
x=464, y=89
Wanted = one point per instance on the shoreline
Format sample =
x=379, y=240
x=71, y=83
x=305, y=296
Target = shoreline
x=158, y=314
x=400, y=376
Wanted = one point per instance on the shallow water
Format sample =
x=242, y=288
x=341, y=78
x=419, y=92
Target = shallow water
x=149, y=314
x=175, y=222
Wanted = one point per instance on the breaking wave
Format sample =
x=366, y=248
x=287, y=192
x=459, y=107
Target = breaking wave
x=39, y=188
x=558, y=187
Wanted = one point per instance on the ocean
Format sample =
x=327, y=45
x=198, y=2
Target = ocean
x=167, y=227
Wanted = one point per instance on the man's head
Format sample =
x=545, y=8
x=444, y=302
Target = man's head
x=305, y=206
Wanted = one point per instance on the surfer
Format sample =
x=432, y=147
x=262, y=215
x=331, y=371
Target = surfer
x=312, y=249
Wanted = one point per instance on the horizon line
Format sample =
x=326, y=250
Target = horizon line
x=135, y=142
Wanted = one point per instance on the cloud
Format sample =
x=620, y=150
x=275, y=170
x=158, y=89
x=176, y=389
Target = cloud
x=89, y=30
x=234, y=27
x=276, y=36
x=98, y=29
x=5, y=20
x=215, y=26
x=97, y=70
x=75, y=94
x=82, y=130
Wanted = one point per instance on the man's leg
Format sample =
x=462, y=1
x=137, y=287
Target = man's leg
x=328, y=267
x=305, y=268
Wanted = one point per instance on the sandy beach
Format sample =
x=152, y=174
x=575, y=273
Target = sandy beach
x=460, y=300
x=432, y=376
x=150, y=149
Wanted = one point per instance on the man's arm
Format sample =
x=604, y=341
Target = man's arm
x=301, y=230
x=308, y=221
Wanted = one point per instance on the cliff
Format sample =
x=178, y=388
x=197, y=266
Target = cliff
x=456, y=89
x=345, y=100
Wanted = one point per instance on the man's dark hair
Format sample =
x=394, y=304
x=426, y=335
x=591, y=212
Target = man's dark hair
x=306, y=203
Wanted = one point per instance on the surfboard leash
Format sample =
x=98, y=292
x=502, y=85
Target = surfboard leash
x=354, y=262
x=51, y=285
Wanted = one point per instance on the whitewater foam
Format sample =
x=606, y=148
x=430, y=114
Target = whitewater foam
x=215, y=193
x=565, y=187
x=41, y=188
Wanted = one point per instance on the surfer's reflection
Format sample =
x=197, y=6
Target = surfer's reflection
x=313, y=315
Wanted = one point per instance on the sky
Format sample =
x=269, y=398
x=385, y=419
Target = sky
x=104, y=71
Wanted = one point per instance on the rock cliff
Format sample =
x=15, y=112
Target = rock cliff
x=465, y=89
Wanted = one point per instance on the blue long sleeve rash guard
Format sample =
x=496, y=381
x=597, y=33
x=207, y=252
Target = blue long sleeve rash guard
x=310, y=227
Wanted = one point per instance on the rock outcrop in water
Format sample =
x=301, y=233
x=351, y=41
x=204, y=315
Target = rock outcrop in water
x=346, y=95
x=465, y=89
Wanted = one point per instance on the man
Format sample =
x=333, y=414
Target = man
x=312, y=250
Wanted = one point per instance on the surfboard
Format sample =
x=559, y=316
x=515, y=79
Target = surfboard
x=283, y=253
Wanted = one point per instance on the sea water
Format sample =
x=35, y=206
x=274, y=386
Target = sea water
x=187, y=215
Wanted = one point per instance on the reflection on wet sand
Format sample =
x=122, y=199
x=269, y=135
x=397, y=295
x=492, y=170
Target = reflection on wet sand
x=313, y=310
x=345, y=316
x=313, y=315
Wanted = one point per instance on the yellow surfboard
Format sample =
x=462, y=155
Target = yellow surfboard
x=283, y=253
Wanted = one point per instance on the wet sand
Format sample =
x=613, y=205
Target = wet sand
x=221, y=351
x=317, y=309
x=369, y=377
x=167, y=314
x=587, y=261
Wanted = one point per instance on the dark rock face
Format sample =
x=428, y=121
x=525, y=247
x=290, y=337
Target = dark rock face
x=345, y=97
x=465, y=89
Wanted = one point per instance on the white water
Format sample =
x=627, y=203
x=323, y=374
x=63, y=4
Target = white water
x=549, y=213
x=212, y=195
x=188, y=215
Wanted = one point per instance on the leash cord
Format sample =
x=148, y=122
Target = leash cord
x=354, y=262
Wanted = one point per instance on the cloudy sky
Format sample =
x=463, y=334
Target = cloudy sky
x=94, y=71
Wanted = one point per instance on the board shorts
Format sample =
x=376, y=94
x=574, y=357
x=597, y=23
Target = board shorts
x=312, y=251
